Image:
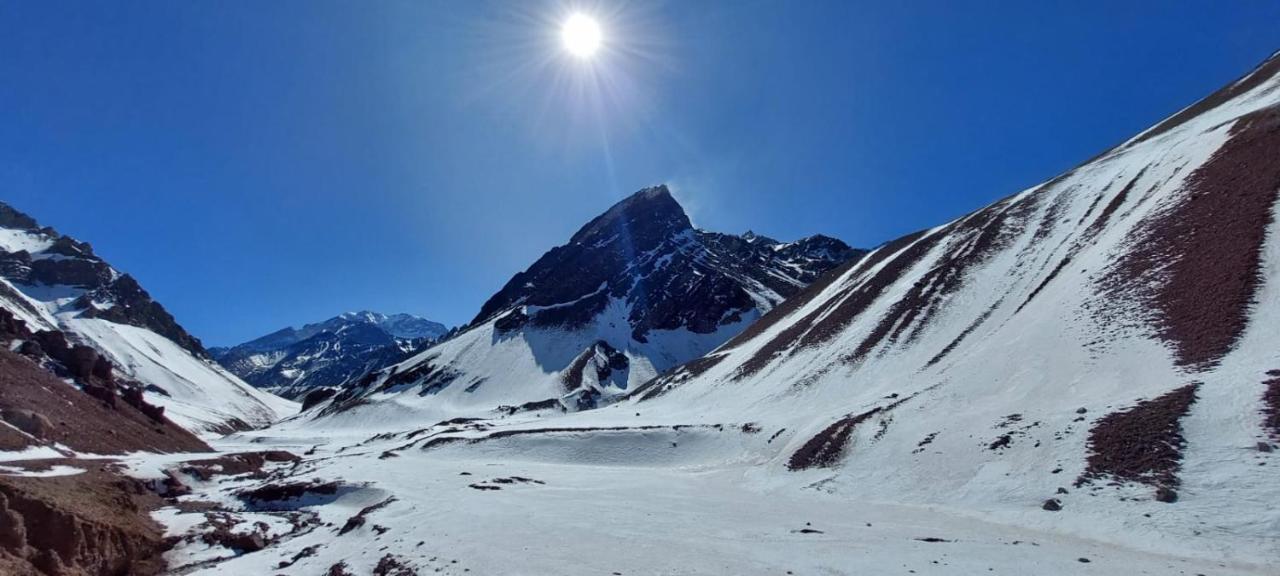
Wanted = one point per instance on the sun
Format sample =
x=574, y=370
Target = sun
x=581, y=35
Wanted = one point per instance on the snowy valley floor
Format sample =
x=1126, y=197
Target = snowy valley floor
x=460, y=509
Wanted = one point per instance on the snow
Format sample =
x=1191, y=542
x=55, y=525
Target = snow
x=19, y=240
x=639, y=511
x=32, y=453
x=696, y=481
x=52, y=471
x=198, y=394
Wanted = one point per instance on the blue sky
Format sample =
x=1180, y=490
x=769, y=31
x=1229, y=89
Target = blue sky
x=260, y=164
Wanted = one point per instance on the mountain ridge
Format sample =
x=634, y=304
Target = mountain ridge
x=56, y=284
x=292, y=361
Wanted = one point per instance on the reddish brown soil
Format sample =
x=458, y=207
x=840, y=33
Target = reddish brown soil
x=93, y=523
x=359, y=519
x=827, y=448
x=1198, y=263
x=339, y=569
x=83, y=422
x=390, y=565
x=235, y=464
x=790, y=305
x=13, y=440
x=1271, y=404
x=977, y=322
x=843, y=308
x=1143, y=443
x=973, y=240
x=1047, y=279
x=1100, y=224
x=866, y=294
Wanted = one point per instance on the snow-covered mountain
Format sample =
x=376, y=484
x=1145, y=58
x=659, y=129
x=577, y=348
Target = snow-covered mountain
x=292, y=361
x=1102, y=343
x=55, y=283
x=1082, y=378
x=636, y=291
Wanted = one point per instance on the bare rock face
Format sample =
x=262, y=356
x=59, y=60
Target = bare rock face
x=592, y=373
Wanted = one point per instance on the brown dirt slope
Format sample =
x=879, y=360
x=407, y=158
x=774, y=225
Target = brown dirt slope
x=1208, y=243
x=53, y=411
x=93, y=523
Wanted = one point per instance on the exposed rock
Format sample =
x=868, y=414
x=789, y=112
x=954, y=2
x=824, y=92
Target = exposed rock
x=95, y=522
x=317, y=396
x=90, y=420
x=28, y=421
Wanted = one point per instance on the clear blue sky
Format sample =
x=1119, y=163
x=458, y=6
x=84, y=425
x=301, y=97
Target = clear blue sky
x=260, y=164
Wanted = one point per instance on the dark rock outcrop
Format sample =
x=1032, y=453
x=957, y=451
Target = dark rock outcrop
x=645, y=251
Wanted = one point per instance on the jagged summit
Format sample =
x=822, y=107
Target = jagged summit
x=643, y=219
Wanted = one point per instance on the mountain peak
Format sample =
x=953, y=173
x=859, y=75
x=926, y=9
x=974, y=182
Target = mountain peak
x=752, y=237
x=644, y=219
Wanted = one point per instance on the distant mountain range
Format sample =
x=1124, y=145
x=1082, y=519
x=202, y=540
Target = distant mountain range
x=292, y=361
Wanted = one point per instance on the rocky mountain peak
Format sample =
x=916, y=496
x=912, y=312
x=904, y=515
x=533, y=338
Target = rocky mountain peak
x=643, y=220
x=752, y=237
x=644, y=253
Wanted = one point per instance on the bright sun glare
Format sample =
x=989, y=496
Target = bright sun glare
x=581, y=35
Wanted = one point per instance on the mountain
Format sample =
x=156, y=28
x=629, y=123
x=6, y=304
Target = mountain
x=55, y=284
x=1103, y=343
x=292, y=361
x=1081, y=378
x=636, y=291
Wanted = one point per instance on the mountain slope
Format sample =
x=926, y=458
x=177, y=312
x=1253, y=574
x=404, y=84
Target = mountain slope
x=292, y=361
x=55, y=283
x=636, y=291
x=1110, y=332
